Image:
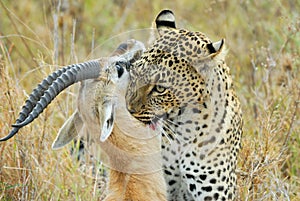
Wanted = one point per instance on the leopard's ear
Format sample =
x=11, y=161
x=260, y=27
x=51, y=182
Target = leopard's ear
x=165, y=20
x=218, y=50
x=218, y=45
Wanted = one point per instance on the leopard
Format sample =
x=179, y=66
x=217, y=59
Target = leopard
x=182, y=86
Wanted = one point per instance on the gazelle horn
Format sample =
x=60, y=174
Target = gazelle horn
x=50, y=87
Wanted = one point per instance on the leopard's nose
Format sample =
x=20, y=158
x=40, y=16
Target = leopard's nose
x=130, y=108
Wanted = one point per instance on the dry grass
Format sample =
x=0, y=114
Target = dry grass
x=263, y=37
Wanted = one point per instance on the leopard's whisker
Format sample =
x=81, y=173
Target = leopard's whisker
x=161, y=126
x=171, y=129
x=172, y=122
x=170, y=132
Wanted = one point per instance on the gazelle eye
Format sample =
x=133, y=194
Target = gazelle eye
x=159, y=89
x=121, y=66
x=120, y=70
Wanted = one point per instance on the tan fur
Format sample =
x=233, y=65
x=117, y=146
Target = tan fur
x=147, y=183
x=133, y=150
x=133, y=156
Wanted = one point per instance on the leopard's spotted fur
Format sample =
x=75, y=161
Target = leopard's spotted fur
x=182, y=86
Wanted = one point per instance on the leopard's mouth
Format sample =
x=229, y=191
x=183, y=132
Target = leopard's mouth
x=154, y=122
x=150, y=120
x=147, y=120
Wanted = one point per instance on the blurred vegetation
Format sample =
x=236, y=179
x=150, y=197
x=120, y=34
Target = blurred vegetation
x=37, y=37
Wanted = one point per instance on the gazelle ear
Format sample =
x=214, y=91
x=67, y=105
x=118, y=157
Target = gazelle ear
x=68, y=131
x=165, y=20
x=107, y=120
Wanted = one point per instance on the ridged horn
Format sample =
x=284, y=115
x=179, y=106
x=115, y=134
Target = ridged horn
x=50, y=87
x=34, y=97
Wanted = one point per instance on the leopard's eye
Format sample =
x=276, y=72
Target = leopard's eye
x=159, y=89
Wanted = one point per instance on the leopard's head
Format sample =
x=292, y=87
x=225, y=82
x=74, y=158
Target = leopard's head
x=171, y=74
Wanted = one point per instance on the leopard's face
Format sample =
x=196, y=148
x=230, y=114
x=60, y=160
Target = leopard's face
x=166, y=77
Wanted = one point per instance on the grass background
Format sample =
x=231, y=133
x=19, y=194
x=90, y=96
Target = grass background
x=37, y=37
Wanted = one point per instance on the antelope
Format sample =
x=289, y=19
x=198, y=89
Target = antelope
x=132, y=148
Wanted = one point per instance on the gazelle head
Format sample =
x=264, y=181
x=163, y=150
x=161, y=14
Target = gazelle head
x=88, y=72
x=97, y=101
